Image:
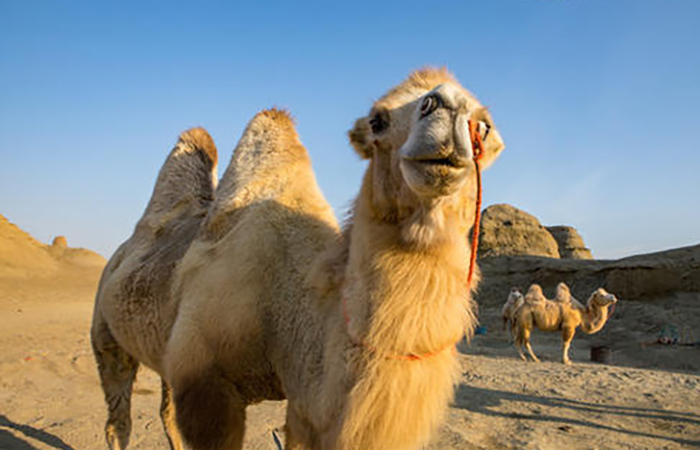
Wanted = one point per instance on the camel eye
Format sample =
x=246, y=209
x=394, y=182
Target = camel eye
x=379, y=122
x=430, y=104
x=483, y=129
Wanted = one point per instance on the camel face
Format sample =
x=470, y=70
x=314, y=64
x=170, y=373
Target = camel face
x=436, y=157
x=417, y=138
x=603, y=298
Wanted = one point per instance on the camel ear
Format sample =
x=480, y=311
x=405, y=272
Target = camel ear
x=494, y=145
x=360, y=138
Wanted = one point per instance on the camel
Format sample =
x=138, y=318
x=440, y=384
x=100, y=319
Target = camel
x=534, y=295
x=563, y=314
x=257, y=293
x=513, y=303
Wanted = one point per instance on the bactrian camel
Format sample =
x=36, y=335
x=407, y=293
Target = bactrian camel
x=515, y=300
x=564, y=314
x=250, y=291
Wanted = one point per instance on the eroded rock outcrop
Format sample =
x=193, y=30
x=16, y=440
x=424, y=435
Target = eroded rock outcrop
x=651, y=275
x=570, y=242
x=509, y=231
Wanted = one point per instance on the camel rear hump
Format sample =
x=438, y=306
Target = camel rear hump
x=186, y=182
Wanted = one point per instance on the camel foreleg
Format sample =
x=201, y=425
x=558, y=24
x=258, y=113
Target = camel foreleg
x=167, y=416
x=525, y=340
x=567, y=336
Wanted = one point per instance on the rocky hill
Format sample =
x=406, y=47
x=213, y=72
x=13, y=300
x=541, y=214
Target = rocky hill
x=509, y=231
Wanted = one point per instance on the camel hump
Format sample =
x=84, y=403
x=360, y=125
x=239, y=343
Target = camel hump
x=269, y=164
x=267, y=150
x=186, y=182
x=563, y=293
x=534, y=295
x=198, y=139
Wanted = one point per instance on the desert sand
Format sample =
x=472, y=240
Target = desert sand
x=647, y=398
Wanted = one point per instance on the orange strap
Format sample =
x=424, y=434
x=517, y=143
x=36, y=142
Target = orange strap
x=478, y=149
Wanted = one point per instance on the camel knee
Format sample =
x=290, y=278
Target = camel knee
x=209, y=413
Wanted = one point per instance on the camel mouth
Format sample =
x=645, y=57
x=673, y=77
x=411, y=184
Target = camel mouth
x=434, y=176
x=451, y=162
x=610, y=298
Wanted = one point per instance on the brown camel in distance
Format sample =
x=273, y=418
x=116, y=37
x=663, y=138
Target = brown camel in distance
x=271, y=300
x=563, y=314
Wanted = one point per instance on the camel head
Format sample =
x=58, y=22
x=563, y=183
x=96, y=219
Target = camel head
x=515, y=295
x=601, y=298
x=420, y=149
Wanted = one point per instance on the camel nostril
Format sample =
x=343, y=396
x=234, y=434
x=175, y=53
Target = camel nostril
x=462, y=138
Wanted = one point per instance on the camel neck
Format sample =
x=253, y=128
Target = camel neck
x=403, y=299
x=594, y=318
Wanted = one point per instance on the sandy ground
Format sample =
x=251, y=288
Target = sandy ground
x=50, y=396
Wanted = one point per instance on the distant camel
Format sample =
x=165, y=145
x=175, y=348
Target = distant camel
x=514, y=302
x=563, y=314
x=249, y=291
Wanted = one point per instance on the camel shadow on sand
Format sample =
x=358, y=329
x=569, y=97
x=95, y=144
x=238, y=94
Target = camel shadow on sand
x=485, y=401
x=10, y=442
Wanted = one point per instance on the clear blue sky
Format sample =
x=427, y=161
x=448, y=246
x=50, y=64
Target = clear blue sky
x=598, y=101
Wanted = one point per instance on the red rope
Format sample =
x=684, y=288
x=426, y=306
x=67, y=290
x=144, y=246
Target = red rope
x=478, y=149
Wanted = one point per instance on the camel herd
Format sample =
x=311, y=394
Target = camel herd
x=245, y=288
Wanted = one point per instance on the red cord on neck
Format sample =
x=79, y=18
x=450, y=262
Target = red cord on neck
x=478, y=148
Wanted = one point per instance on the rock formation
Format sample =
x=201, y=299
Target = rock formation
x=570, y=243
x=509, y=231
x=635, y=277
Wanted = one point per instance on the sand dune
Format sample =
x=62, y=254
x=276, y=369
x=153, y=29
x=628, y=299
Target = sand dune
x=23, y=256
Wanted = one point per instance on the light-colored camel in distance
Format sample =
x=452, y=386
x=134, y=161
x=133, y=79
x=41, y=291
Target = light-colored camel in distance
x=257, y=294
x=513, y=303
x=563, y=314
x=516, y=300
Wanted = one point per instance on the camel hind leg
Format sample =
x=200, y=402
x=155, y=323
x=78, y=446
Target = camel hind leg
x=519, y=346
x=117, y=371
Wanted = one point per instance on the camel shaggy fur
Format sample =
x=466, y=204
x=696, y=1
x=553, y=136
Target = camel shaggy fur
x=563, y=314
x=271, y=300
